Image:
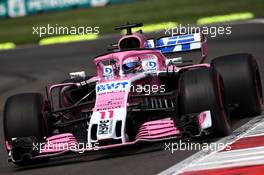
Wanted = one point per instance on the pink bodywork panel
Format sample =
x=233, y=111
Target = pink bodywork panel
x=140, y=37
x=110, y=100
x=157, y=129
x=7, y=145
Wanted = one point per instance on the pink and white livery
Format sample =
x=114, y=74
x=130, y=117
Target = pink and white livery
x=141, y=93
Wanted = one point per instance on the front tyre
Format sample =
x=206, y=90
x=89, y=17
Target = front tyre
x=24, y=122
x=23, y=116
x=200, y=90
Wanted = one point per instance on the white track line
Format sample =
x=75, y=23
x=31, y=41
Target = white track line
x=258, y=21
x=237, y=134
x=256, y=160
x=237, y=154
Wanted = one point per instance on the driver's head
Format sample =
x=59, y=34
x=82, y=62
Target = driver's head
x=132, y=65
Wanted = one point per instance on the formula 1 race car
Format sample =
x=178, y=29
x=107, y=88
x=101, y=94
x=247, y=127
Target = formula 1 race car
x=138, y=95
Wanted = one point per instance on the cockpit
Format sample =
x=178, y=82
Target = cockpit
x=112, y=65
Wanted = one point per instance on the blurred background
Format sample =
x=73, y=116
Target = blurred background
x=17, y=17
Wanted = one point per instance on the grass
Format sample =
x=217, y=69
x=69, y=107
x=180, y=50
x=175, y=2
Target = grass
x=19, y=30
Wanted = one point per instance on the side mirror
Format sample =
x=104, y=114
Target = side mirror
x=77, y=74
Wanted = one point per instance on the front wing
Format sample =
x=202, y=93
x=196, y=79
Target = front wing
x=193, y=125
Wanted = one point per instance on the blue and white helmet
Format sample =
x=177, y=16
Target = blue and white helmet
x=132, y=65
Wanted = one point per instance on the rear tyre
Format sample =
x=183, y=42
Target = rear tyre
x=200, y=90
x=242, y=82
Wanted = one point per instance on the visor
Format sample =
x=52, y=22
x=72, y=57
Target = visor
x=130, y=65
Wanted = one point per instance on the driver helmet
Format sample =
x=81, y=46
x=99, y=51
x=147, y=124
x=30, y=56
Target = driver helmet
x=132, y=65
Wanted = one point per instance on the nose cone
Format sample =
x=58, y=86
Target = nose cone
x=108, y=125
x=110, y=111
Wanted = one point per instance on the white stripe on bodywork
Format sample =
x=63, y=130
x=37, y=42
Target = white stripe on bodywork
x=195, y=46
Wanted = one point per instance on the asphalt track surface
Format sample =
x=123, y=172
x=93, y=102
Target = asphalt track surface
x=30, y=69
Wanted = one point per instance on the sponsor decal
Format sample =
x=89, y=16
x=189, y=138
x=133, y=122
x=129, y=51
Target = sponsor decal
x=112, y=86
x=110, y=104
x=110, y=100
x=108, y=71
x=3, y=9
x=182, y=39
x=205, y=120
x=150, y=65
x=16, y=8
x=105, y=125
x=96, y=3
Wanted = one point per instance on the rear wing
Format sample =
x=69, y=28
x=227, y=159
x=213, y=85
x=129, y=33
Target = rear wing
x=180, y=43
